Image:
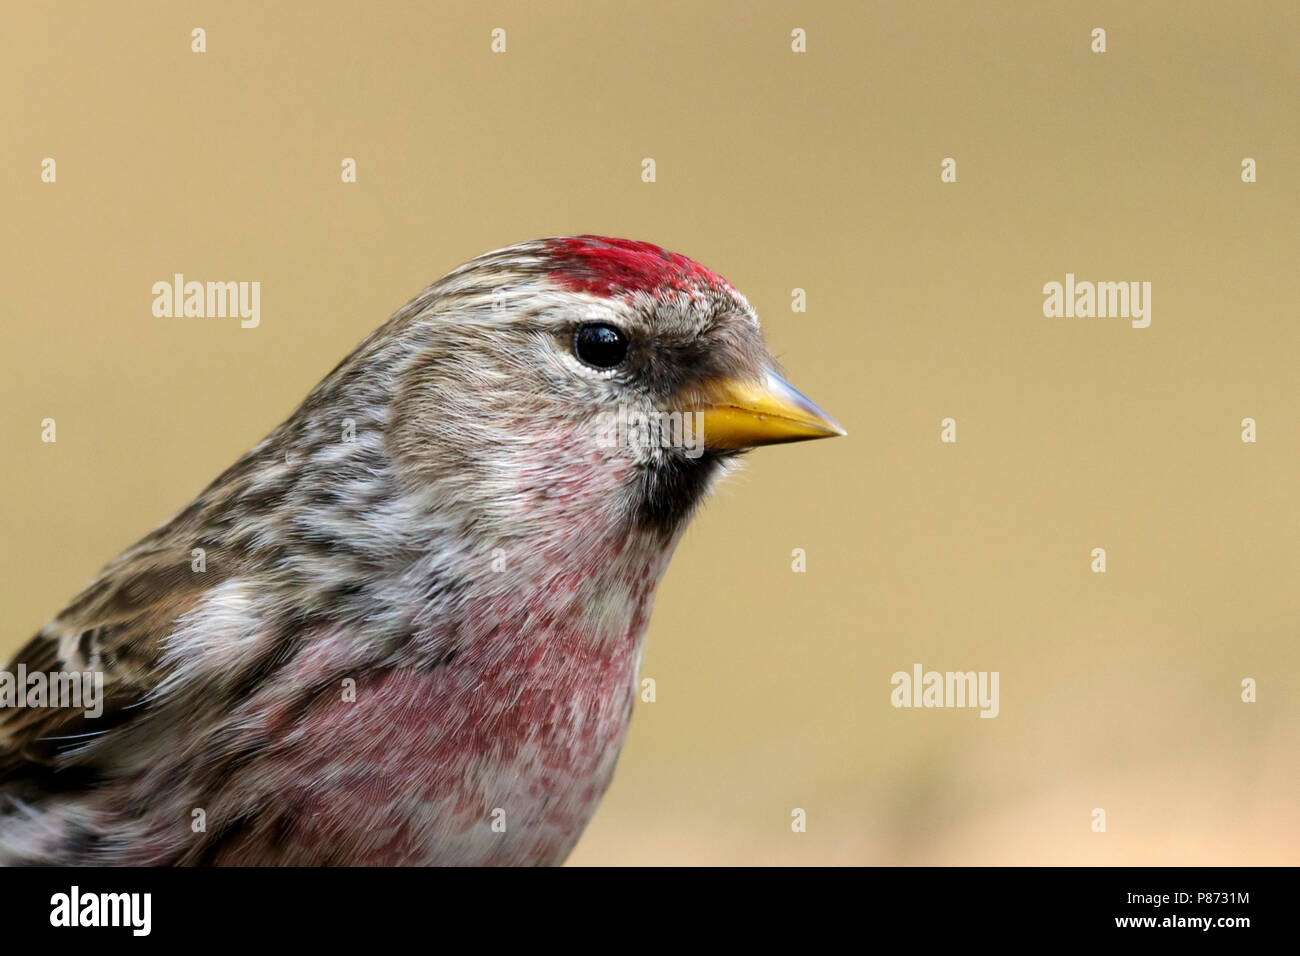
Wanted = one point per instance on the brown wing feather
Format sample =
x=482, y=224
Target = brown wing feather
x=116, y=626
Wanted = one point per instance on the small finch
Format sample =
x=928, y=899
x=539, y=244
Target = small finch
x=406, y=627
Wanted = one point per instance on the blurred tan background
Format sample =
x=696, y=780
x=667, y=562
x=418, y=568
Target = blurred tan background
x=780, y=170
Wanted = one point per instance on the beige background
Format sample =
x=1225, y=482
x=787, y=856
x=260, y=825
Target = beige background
x=779, y=170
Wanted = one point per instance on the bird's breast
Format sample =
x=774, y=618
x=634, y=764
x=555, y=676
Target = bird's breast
x=494, y=753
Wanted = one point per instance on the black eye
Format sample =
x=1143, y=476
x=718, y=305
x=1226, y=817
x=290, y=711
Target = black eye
x=601, y=346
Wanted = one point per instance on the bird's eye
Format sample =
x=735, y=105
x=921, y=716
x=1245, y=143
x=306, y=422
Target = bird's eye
x=600, y=345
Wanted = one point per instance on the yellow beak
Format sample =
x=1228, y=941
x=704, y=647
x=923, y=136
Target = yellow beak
x=741, y=414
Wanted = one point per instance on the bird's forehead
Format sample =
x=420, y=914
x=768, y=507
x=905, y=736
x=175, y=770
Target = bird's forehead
x=619, y=268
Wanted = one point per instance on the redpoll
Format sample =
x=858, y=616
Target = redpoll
x=414, y=632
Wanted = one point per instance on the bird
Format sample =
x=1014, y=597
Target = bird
x=416, y=631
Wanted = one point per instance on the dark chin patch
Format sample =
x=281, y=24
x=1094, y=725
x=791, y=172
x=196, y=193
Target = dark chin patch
x=669, y=491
